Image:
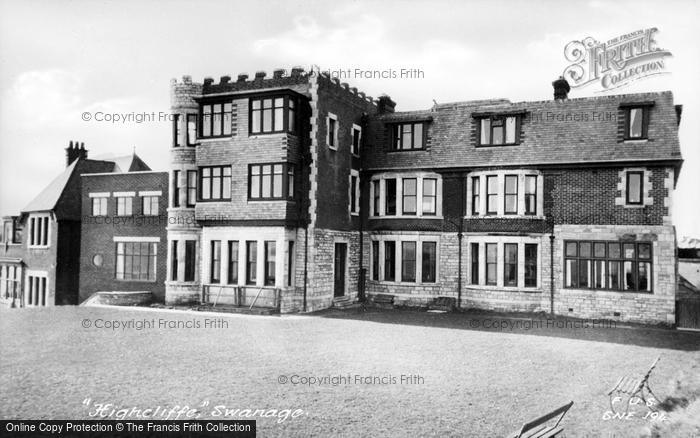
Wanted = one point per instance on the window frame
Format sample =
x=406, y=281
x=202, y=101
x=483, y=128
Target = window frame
x=191, y=190
x=397, y=136
x=608, y=260
x=211, y=178
x=232, y=264
x=355, y=149
x=151, y=199
x=151, y=265
x=506, y=194
x=332, y=137
x=129, y=204
x=286, y=193
x=288, y=111
x=354, y=193
x=176, y=131
x=223, y=113
x=103, y=206
x=501, y=118
x=629, y=173
x=215, y=261
x=644, y=134
x=192, y=140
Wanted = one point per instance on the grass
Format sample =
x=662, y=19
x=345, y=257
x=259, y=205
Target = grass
x=478, y=381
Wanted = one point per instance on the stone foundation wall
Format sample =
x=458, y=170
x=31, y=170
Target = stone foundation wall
x=653, y=307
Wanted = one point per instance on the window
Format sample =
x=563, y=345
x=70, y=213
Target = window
x=530, y=194
x=99, y=206
x=173, y=260
x=475, y=263
x=498, y=131
x=332, y=131
x=511, y=194
x=215, y=266
x=504, y=194
x=176, y=188
x=216, y=119
x=376, y=197
x=39, y=231
x=636, y=121
x=530, y=265
x=409, y=195
x=176, y=130
x=215, y=183
x=417, y=195
x=270, y=250
x=407, y=136
x=491, y=194
x=429, y=196
x=232, y=276
x=190, y=255
x=125, y=205
x=375, y=260
x=36, y=290
x=269, y=115
x=390, y=207
x=476, y=195
x=491, y=263
x=191, y=193
x=251, y=272
x=290, y=264
x=354, y=192
x=11, y=231
x=408, y=261
x=620, y=266
x=429, y=262
x=510, y=264
x=191, y=129
x=356, y=138
x=389, y=261
x=149, y=205
x=136, y=261
x=635, y=187
x=265, y=181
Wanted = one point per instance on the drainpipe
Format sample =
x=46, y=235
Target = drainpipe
x=459, y=266
x=551, y=273
x=306, y=260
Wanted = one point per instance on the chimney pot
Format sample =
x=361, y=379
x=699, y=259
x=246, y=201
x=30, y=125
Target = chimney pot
x=208, y=81
x=224, y=79
x=561, y=88
x=242, y=77
x=278, y=73
x=260, y=75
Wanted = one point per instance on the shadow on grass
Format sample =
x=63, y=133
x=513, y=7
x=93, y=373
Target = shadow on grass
x=534, y=324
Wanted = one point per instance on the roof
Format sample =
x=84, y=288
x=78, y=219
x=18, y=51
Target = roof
x=567, y=131
x=48, y=199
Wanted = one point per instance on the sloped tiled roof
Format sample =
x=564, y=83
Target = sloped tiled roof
x=567, y=131
x=48, y=199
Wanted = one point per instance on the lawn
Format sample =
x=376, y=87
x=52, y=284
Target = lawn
x=473, y=380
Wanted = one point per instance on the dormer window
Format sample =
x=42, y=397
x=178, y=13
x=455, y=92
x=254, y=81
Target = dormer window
x=408, y=136
x=636, y=120
x=499, y=130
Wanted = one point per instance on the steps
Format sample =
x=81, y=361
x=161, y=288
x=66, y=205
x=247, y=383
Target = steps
x=238, y=309
x=383, y=301
x=343, y=303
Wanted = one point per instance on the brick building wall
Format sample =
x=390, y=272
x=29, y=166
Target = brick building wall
x=98, y=245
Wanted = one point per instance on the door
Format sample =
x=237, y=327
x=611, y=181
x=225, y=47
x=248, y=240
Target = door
x=688, y=313
x=341, y=250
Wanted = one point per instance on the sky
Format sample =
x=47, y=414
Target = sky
x=119, y=57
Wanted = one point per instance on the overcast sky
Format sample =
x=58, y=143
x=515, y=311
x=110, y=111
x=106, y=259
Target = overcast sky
x=59, y=59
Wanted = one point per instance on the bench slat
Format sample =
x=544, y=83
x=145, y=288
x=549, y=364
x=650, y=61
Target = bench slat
x=552, y=432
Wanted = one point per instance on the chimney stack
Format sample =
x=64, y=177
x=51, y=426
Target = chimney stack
x=385, y=104
x=75, y=151
x=561, y=88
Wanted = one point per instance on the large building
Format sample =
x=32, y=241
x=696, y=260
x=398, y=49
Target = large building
x=296, y=191
x=40, y=254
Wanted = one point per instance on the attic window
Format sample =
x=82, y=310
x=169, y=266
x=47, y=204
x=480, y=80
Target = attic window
x=636, y=117
x=408, y=136
x=498, y=130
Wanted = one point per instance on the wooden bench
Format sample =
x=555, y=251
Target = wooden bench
x=633, y=386
x=538, y=428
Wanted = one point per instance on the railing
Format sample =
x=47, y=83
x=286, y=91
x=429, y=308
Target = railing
x=241, y=296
